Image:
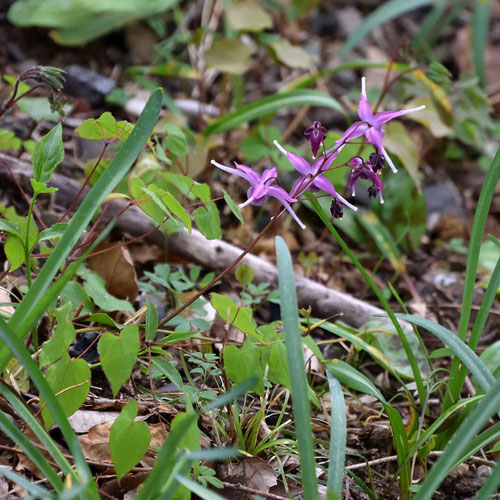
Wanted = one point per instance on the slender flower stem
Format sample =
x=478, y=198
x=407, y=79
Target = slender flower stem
x=184, y=306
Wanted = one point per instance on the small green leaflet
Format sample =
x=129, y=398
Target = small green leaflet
x=104, y=128
x=208, y=220
x=244, y=363
x=278, y=365
x=48, y=154
x=239, y=317
x=62, y=337
x=14, y=250
x=232, y=205
x=69, y=379
x=128, y=440
x=119, y=355
x=244, y=274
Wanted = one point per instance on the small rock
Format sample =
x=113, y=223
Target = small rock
x=86, y=83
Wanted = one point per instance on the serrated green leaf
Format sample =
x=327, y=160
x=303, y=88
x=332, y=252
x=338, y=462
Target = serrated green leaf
x=128, y=440
x=232, y=205
x=69, y=379
x=244, y=363
x=48, y=154
x=119, y=355
x=41, y=187
x=208, y=220
x=63, y=335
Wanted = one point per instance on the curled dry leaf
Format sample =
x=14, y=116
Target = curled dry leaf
x=117, y=269
x=250, y=472
x=95, y=444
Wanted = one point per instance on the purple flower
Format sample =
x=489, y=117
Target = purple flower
x=261, y=187
x=365, y=170
x=315, y=134
x=370, y=125
x=311, y=175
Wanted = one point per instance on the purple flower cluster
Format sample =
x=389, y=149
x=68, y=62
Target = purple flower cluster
x=312, y=174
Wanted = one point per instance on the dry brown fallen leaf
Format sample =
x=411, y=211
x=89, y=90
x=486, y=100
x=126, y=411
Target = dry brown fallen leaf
x=95, y=444
x=117, y=269
x=250, y=472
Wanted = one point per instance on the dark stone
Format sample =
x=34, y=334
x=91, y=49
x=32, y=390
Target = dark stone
x=86, y=83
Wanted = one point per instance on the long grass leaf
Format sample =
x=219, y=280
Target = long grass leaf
x=385, y=304
x=459, y=348
x=21, y=353
x=490, y=486
x=35, y=490
x=353, y=378
x=48, y=443
x=476, y=420
x=338, y=439
x=166, y=460
x=386, y=12
x=27, y=447
x=26, y=314
x=198, y=489
x=298, y=377
x=270, y=105
x=457, y=376
x=480, y=24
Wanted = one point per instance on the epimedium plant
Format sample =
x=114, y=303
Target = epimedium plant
x=262, y=359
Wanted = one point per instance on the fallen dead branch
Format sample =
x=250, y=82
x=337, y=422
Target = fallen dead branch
x=211, y=254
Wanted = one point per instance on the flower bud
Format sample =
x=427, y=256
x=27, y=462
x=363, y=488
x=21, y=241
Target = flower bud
x=315, y=134
x=337, y=209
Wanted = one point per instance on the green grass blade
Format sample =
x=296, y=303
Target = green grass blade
x=118, y=167
x=386, y=12
x=33, y=489
x=476, y=420
x=401, y=444
x=406, y=345
x=270, y=105
x=353, y=378
x=232, y=395
x=298, y=378
x=459, y=348
x=480, y=25
x=484, y=310
x=42, y=435
x=457, y=376
x=437, y=20
x=166, y=461
x=338, y=439
x=490, y=486
x=10, y=429
x=198, y=489
x=21, y=353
